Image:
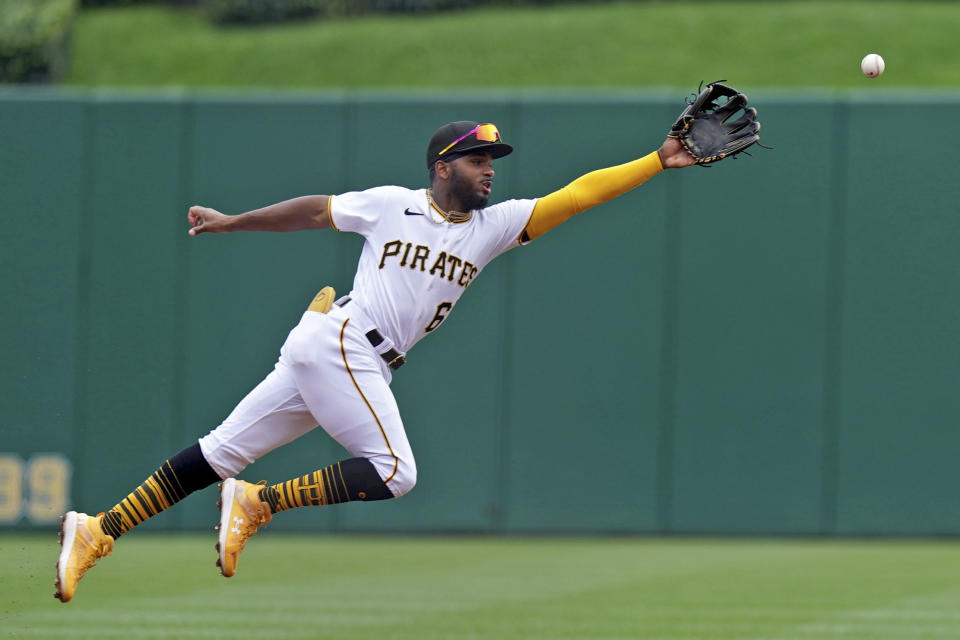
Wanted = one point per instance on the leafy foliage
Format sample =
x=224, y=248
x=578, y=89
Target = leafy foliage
x=252, y=11
x=34, y=39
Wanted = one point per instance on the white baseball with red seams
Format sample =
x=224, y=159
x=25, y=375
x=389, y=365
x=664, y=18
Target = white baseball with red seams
x=414, y=266
x=872, y=65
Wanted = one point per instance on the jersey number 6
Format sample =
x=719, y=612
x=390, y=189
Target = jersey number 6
x=442, y=310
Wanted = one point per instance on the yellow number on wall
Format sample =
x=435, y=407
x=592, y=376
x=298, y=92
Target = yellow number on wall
x=11, y=488
x=48, y=477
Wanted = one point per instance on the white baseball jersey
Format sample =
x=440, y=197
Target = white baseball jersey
x=414, y=267
x=415, y=264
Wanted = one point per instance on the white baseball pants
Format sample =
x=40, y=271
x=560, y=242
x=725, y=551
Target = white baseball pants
x=327, y=374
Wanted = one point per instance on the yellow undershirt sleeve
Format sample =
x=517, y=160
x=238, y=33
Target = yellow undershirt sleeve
x=588, y=191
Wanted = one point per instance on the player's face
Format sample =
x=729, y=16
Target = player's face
x=471, y=179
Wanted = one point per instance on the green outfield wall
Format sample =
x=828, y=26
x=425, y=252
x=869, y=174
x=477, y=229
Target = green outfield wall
x=768, y=346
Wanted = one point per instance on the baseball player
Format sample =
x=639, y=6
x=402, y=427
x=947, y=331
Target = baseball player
x=423, y=249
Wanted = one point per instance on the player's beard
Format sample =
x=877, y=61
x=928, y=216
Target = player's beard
x=464, y=190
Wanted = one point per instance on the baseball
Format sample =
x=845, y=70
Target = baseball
x=872, y=65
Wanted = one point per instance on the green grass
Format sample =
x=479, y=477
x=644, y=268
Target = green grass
x=667, y=44
x=417, y=588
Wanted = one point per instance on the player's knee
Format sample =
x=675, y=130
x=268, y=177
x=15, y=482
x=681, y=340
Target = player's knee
x=405, y=477
x=226, y=460
x=399, y=473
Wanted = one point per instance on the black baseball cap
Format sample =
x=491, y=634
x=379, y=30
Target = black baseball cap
x=465, y=136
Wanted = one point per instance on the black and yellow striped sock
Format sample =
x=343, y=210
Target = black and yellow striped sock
x=344, y=481
x=176, y=478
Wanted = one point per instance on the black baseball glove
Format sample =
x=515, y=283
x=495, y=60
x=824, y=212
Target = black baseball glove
x=705, y=127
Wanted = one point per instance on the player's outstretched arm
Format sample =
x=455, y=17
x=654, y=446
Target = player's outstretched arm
x=298, y=214
x=602, y=185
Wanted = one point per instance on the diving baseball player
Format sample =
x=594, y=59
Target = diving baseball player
x=423, y=248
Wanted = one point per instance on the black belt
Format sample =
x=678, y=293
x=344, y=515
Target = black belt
x=393, y=358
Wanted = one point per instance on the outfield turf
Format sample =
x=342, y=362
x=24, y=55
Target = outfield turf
x=295, y=586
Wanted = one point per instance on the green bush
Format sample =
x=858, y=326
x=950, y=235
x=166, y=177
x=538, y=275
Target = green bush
x=98, y=3
x=34, y=39
x=104, y=3
x=251, y=11
x=421, y=5
x=254, y=11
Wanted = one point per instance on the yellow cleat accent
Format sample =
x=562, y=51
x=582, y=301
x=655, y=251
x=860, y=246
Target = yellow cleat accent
x=323, y=300
x=83, y=542
x=242, y=512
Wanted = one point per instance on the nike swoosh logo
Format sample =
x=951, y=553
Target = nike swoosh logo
x=412, y=213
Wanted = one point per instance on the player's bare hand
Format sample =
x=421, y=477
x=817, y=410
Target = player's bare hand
x=673, y=155
x=205, y=220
